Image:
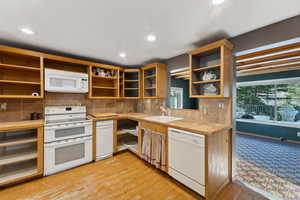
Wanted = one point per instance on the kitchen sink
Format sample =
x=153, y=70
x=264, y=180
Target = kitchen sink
x=162, y=118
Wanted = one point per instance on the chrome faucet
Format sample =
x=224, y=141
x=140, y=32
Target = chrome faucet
x=164, y=111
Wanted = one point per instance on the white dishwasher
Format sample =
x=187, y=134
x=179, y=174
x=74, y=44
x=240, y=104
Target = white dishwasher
x=104, y=139
x=186, y=153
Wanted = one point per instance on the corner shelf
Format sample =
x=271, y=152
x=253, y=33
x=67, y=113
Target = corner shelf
x=127, y=136
x=150, y=76
x=108, y=88
x=131, y=89
x=215, y=58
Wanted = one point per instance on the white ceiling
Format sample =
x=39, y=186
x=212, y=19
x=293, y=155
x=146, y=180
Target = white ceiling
x=102, y=29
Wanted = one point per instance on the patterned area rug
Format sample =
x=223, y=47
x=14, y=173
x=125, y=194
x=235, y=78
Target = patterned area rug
x=269, y=165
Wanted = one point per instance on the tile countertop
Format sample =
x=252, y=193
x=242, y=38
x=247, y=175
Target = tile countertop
x=203, y=128
x=18, y=125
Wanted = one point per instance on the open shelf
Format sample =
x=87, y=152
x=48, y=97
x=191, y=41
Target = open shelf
x=128, y=145
x=131, y=80
x=104, y=77
x=18, y=67
x=150, y=76
x=205, y=82
x=17, y=90
x=210, y=68
x=150, y=88
x=131, y=83
x=20, y=82
x=17, y=171
x=108, y=88
x=128, y=131
x=65, y=66
x=19, y=155
x=20, y=75
x=127, y=135
x=17, y=140
x=104, y=82
x=206, y=68
x=154, y=84
x=13, y=60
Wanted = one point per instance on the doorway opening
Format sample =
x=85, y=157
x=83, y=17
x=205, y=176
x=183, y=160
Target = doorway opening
x=267, y=116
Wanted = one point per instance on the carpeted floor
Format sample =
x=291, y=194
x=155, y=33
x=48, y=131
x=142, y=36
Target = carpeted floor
x=269, y=165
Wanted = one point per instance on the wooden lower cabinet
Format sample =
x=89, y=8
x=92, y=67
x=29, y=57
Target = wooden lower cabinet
x=216, y=160
x=21, y=155
x=218, y=163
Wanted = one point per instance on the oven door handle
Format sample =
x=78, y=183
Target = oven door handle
x=66, y=127
x=68, y=142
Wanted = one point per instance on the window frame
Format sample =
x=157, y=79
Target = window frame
x=274, y=82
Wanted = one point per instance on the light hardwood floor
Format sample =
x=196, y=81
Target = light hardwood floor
x=122, y=177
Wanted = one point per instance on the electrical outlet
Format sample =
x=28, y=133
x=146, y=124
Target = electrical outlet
x=3, y=106
x=298, y=134
x=221, y=105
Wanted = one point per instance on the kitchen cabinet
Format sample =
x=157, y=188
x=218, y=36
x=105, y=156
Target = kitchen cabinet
x=104, y=139
x=127, y=135
x=21, y=151
x=104, y=82
x=210, y=69
x=132, y=84
x=21, y=75
x=154, y=81
x=153, y=144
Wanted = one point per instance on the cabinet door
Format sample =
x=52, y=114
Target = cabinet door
x=104, y=141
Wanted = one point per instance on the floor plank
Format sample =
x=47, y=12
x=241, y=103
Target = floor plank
x=122, y=177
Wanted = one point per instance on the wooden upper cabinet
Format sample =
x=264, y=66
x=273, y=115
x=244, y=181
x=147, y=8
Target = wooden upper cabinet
x=132, y=83
x=211, y=70
x=104, y=82
x=154, y=81
x=21, y=74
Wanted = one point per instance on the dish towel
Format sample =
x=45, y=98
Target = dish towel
x=154, y=148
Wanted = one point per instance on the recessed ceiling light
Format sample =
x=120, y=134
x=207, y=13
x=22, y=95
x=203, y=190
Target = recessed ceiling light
x=122, y=55
x=151, y=38
x=217, y=2
x=27, y=31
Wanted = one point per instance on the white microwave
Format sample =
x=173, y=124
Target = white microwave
x=67, y=82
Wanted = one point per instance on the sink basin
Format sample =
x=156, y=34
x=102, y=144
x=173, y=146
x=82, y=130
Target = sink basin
x=163, y=118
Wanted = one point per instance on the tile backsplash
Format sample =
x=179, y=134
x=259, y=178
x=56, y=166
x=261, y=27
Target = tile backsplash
x=209, y=110
x=20, y=109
